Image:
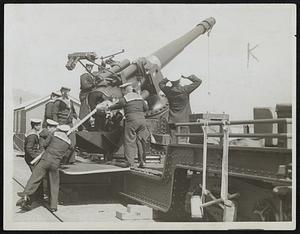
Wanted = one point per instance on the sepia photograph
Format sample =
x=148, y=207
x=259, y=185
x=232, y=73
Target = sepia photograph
x=149, y=117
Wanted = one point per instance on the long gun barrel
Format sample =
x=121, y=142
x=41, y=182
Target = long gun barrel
x=144, y=73
x=165, y=54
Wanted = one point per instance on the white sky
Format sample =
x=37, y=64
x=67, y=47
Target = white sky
x=38, y=39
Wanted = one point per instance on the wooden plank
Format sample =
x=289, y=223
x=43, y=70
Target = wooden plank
x=90, y=168
x=136, y=213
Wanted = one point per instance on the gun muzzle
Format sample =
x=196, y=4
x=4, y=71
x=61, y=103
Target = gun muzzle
x=165, y=54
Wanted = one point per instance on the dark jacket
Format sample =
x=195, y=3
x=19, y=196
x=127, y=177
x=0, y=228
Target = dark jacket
x=134, y=106
x=57, y=146
x=48, y=112
x=42, y=139
x=31, y=146
x=87, y=82
x=179, y=99
x=48, y=109
x=64, y=111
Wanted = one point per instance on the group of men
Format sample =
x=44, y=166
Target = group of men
x=53, y=145
x=136, y=132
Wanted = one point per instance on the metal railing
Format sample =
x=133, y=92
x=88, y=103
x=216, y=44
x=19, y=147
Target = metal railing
x=236, y=122
x=225, y=135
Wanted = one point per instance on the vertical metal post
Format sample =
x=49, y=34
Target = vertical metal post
x=224, y=181
x=204, y=163
x=229, y=213
x=177, y=137
x=280, y=210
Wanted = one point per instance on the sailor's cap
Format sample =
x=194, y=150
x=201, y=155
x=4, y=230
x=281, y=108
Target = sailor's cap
x=65, y=88
x=55, y=93
x=125, y=84
x=175, y=81
x=37, y=121
x=63, y=128
x=51, y=122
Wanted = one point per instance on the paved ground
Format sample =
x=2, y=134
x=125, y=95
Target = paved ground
x=102, y=211
x=39, y=214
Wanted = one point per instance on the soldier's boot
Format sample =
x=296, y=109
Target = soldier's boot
x=24, y=203
x=20, y=202
x=21, y=194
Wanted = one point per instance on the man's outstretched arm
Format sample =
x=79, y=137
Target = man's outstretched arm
x=191, y=87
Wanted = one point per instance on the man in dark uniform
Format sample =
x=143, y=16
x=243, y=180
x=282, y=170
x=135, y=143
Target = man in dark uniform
x=89, y=99
x=87, y=81
x=48, y=108
x=87, y=84
x=136, y=132
x=31, y=145
x=32, y=150
x=63, y=108
x=44, y=134
x=57, y=146
x=51, y=128
x=179, y=101
x=64, y=113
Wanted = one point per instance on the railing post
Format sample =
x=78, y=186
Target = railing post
x=229, y=212
x=204, y=163
x=224, y=183
x=178, y=131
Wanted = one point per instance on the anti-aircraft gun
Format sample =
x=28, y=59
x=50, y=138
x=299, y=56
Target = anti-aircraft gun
x=144, y=73
x=208, y=182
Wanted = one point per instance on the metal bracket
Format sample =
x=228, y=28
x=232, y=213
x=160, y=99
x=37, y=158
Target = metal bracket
x=228, y=207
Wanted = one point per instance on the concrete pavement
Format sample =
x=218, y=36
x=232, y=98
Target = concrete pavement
x=103, y=210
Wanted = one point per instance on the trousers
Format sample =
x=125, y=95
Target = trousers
x=40, y=170
x=135, y=138
x=70, y=158
x=43, y=188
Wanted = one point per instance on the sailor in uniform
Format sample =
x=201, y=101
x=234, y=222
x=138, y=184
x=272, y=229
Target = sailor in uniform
x=50, y=129
x=63, y=108
x=135, y=132
x=31, y=145
x=64, y=113
x=49, y=108
x=43, y=135
x=179, y=101
x=87, y=84
x=32, y=149
x=57, y=145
